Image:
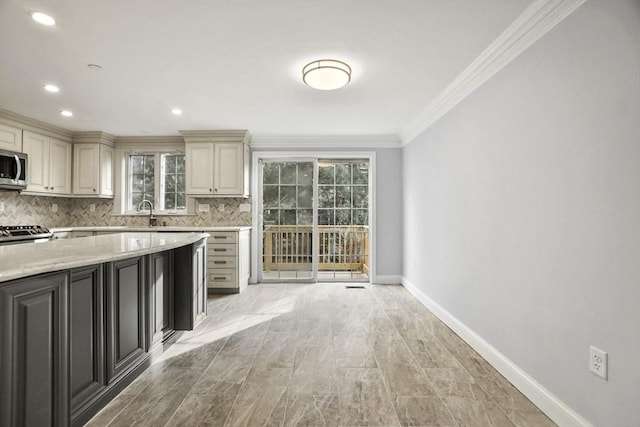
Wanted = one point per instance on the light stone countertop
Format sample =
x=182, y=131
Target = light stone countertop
x=132, y=228
x=28, y=259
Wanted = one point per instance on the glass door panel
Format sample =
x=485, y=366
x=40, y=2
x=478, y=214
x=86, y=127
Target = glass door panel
x=343, y=220
x=288, y=221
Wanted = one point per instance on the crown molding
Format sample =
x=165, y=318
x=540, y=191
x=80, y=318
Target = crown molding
x=540, y=17
x=149, y=140
x=27, y=123
x=322, y=142
x=93, y=137
x=222, y=135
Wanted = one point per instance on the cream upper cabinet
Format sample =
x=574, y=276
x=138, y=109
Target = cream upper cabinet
x=93, y=169
x=199, y=168
x=228, y=169
x=217, y=163
x=49, y=164
x=10, y=138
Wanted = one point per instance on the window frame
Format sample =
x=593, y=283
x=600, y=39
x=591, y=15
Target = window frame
x=165, y=146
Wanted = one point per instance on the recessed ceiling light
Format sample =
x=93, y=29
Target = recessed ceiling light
x=66, y=113
x=176, y=111
x=43, y=18
x=51, y=88
x=326, y=74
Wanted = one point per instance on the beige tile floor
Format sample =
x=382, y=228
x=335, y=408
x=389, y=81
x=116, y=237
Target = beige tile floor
x=320, y=355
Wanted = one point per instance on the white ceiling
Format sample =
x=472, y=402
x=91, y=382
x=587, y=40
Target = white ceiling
x=237, y=64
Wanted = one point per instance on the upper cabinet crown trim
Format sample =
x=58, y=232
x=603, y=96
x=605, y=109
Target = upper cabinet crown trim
x=93, y=137
x=230, y=135
x=27, y=123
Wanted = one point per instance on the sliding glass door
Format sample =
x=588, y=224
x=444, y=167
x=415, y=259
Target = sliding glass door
x=314, y=219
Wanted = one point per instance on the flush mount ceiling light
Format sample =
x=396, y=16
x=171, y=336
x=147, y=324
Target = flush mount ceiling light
x=176, y=111
x=66, y=113
x=43, y=18
x=51, y=88
x=326, y=74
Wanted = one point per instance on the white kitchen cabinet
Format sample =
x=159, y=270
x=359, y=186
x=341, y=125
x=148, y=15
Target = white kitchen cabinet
x=217, y=163
x=49, y=164
x=199, y=168
x=10, y=138
x=93, y=170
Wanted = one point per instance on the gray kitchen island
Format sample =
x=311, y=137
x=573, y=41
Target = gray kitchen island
x=81, y=318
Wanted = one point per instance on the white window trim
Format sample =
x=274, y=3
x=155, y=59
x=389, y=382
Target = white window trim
x=121, y=198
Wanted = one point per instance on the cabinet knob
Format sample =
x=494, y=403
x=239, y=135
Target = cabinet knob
x=216, y=190
x=210, y=190
x=94, y=190
x=46, y=188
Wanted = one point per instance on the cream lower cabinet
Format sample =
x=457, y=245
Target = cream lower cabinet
x=49, y=164
x=228, y=261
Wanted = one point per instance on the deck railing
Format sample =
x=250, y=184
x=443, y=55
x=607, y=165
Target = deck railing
x=340, y=247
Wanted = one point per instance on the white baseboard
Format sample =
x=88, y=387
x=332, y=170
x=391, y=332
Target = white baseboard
x=387, y=280
x=553, y=407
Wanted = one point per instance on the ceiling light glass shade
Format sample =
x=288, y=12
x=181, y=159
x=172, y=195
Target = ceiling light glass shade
x=326, y=74
x=176, y=111
x=51, y=88
x=66, y=113
x=43, y=18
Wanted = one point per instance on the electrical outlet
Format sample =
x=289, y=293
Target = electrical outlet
x=92, y=207
x=245, y=207
x=54, y=207
x=598, y=362
x=221, y=207
x=203, y=207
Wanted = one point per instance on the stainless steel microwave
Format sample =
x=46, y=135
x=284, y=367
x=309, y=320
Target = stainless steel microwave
x=13, y=170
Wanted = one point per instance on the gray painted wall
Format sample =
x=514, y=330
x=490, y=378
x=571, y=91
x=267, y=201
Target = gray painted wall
x=522, y=210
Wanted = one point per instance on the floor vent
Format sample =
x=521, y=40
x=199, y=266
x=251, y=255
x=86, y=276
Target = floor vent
x=355, y=287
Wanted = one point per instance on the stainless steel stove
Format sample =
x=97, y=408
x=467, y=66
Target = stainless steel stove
x=23, y=234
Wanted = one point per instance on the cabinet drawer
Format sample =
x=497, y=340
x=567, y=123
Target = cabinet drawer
x=225, y=249
x=222, y=279
x=223, y=237
x=216, y=262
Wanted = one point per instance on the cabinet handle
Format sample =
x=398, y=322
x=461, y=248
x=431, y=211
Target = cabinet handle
x=219, y=262
x=218, y=278
x=219, y=250
x=219, y=237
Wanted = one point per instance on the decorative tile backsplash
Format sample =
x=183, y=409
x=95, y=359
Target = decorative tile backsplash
x=71, y=212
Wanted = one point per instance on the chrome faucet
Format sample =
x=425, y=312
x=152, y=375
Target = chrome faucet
x=152, y=218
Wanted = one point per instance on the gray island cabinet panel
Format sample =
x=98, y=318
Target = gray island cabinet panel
x=87, y=337
x=126, y=344
x=190, y=264
x=160, y=294
x=34, y=347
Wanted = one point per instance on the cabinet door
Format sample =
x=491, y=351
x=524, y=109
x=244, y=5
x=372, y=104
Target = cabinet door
x=34, y=357
x=229, y=169
x=87, y=337
x=85, y=168
x=106, y=170
x=199, y=168
x=10, y=138
x=37, y=148
x=200, y=282
x=160, y=294
x=125, y=317
x=59, y=166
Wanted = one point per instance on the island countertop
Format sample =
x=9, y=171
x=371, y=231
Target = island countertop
x=156, y=228
x=28, y=259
